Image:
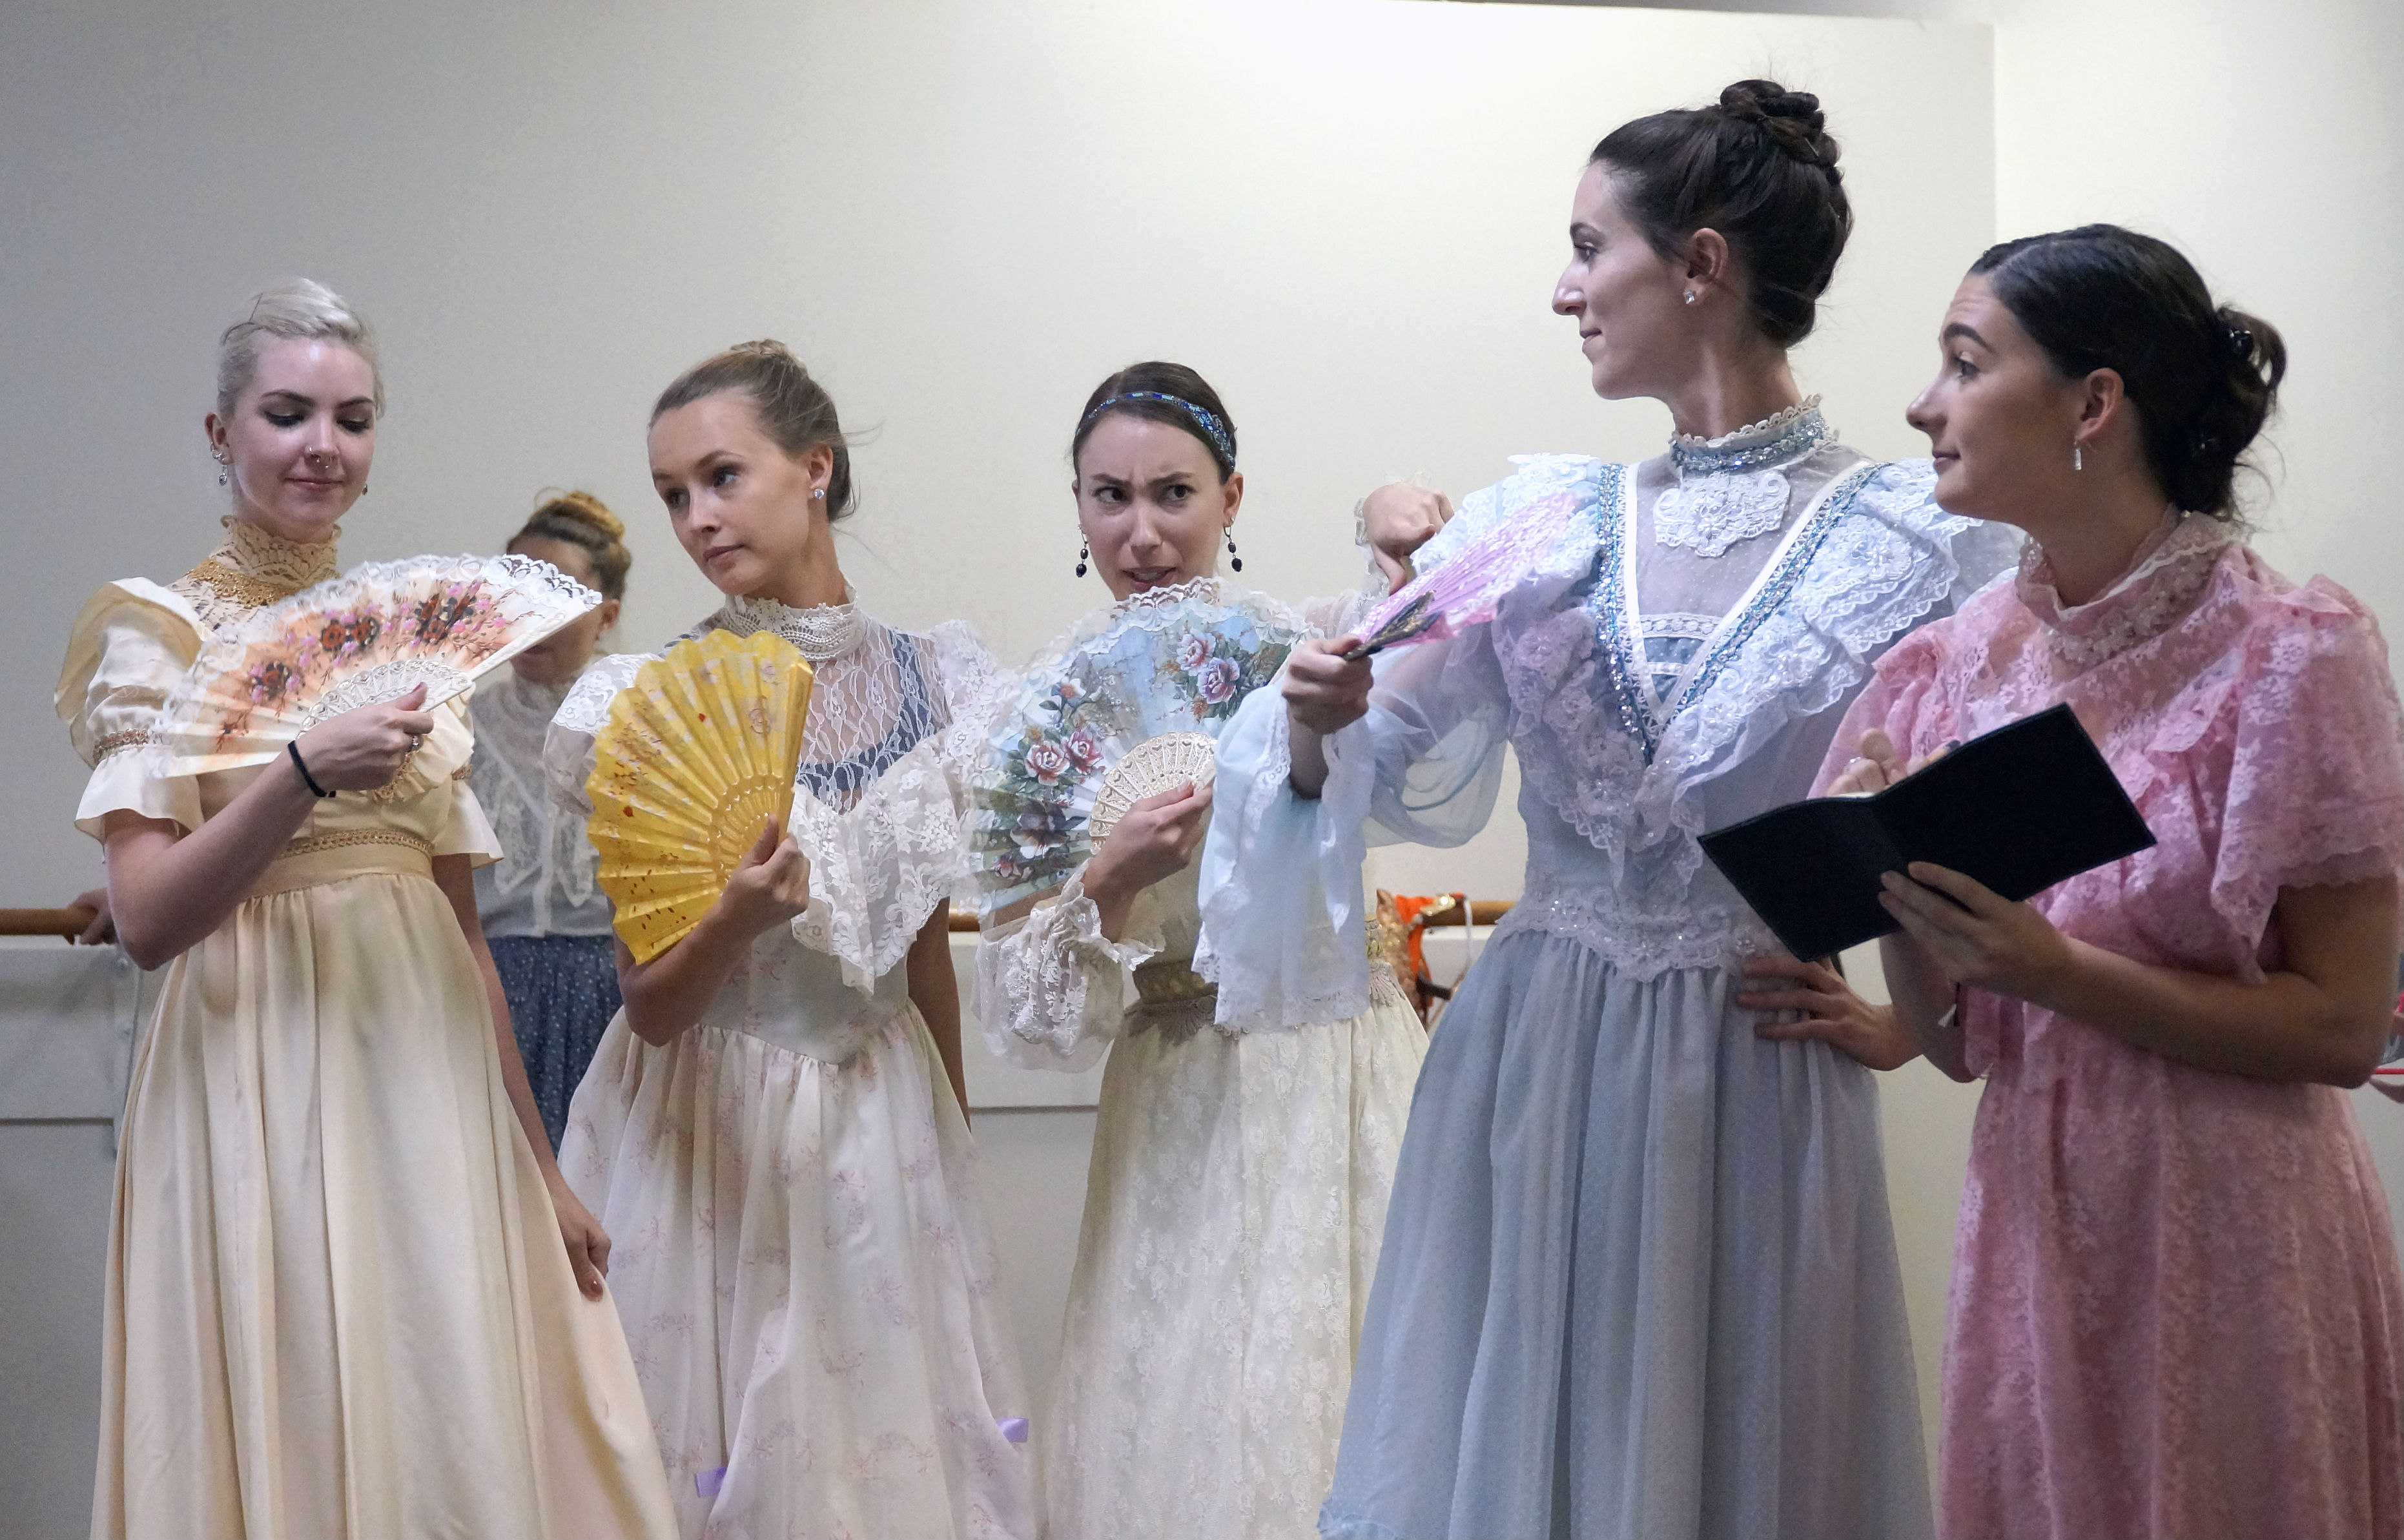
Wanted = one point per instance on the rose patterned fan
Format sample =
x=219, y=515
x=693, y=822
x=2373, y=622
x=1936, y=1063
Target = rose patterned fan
x=1470, y=585
x=1176, y=669
x=371, y=635
x=698, y=754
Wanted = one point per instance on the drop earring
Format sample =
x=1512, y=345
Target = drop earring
x=1084, y=554
x=2077, y=458
x=1233, y=560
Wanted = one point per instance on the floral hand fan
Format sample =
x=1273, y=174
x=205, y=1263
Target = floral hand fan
x=698, y=754
x=1173, y=671
x=371, y=635
x=1470, y=586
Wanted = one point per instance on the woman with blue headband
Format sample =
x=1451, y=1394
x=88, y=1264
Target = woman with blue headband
x=1246, y=1139
x=1640, y=1278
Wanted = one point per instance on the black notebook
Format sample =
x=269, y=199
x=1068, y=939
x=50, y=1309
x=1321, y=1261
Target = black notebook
x=2020, y=808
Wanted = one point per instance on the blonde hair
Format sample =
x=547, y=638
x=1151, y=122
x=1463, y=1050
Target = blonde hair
x=299, y=309
x=794, y=411
x=584, y=520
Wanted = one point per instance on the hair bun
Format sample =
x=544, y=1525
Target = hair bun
x=1792, y=118
x=766, y=347
x=580, y=508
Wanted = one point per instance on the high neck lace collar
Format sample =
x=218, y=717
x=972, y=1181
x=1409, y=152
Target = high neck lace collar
x=1207, y=590
x=267, y=557
x=819, y=633
x=1774, y=440
x=2160, y=585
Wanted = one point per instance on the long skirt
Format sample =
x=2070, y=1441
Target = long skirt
x=1639, y=1280
x=562, y=992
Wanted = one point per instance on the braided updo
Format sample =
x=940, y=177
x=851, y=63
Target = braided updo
x=1759, y=167
x=2203, y=377
x=584, y=520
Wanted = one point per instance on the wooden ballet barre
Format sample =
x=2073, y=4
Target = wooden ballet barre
x=65, y=923
x=1481, y=912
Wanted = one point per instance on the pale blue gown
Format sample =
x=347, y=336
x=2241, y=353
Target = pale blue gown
x=1638, y=1280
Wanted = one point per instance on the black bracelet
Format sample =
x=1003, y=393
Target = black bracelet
x=301, y=764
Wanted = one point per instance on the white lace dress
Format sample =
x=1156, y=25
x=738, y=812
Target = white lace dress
x=1640, y=1278
x=801, y=1258
x=1233, y=1205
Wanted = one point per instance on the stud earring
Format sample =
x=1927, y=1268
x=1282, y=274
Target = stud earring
x=2077, y=459
x=1084, y=554
x=819, y=493
x=1233, y=560
x=1690, y=296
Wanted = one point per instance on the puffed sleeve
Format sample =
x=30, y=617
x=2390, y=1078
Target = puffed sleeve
x=1902, y=700
x=1284, y=911
x=466, y=831
x=568, y=747
x=129, y=648
x=2316, y=746
x=1052, y=989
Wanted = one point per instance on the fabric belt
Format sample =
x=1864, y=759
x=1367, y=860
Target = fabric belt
x=1170, y=982
x=318, y=858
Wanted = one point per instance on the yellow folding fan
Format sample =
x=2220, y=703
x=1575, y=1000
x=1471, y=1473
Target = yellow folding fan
x=698, y=754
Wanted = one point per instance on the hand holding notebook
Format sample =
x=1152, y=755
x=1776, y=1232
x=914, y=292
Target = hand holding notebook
x=2018, y=809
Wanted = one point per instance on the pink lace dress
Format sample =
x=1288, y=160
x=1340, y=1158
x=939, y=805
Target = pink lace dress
x=2177, y=1308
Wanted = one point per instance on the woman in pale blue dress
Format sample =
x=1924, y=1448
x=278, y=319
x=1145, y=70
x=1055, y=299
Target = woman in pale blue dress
x=1637, y=1278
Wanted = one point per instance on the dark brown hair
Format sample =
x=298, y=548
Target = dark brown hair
x=584, y=520
x=1130, y=391
x=1758, y=167
x=2203, y=377
x=794, y=410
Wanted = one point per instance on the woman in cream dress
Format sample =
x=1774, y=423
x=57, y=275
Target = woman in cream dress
x=773, y=1125
x=337, y=1301
x=1248, y=1132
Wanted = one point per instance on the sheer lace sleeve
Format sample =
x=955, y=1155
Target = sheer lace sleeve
x=1283, y=912
x=567, y=748
x=1052, y=989
x=129, y=648
x=2315, y=744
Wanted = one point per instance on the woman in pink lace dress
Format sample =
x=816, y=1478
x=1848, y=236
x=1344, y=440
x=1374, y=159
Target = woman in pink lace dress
x=2176, y=1307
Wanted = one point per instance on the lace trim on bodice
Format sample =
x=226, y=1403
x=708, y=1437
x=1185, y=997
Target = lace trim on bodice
x=251, y=568
x=820, y=633
x=547, y=859
x=1732, y=489
x=2165, y=580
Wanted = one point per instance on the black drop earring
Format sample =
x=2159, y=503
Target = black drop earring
x=1233, y=560
x=1084, y=554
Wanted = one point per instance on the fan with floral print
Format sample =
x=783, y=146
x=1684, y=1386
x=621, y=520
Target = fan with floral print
x=371, y=635
x=1154, y=672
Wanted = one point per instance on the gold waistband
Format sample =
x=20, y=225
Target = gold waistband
x=1170, y=982
x=316, y=858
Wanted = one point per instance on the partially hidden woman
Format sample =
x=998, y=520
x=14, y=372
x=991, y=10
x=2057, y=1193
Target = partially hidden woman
x=1639, y=1276
x=337, y=1300
x=2176, y=1307
x=1245, y=1137
x=544, y=916
x=774, y=1123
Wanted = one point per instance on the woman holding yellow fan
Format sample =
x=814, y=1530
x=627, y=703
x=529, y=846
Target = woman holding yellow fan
x=771, y=1129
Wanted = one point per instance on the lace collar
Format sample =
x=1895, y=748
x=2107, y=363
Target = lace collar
x=1731, y=489
x=253, y=567
x=819, y=633
x=2160, y=585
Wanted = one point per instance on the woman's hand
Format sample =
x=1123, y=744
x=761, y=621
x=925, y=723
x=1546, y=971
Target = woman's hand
x=1973, y=935
x=770, y=886
x=1396, y=520
x=1157, y=838
x=102, y=932
x=1833, y=1014
x=1877, y=767
x=587, y=1242
x=1324, y=692
x=362, y=750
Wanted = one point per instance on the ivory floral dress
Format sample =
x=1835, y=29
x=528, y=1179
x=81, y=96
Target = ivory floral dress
x=802, y=1257
x=337, y=1304
x=544, y=914
x=2177, y=1308
x=1639, y=1278
x=1243, y=1151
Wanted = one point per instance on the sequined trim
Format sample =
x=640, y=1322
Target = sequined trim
x=344, y=839
x=113, y=744
x=1727, y=457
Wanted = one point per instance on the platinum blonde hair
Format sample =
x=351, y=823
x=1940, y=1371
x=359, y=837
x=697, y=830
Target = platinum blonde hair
x=296, y=309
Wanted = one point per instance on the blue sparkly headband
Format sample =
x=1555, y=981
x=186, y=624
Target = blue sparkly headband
x=1212, y=428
